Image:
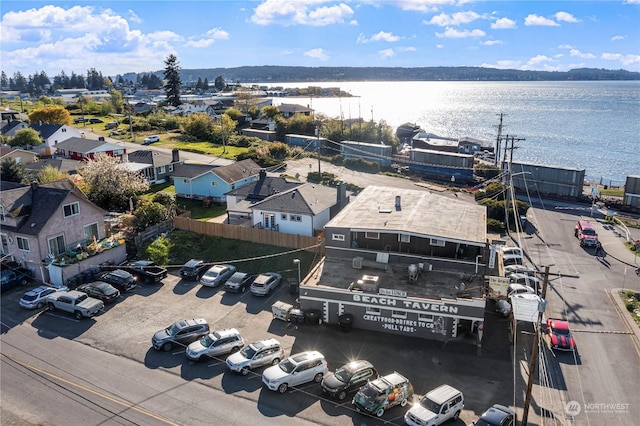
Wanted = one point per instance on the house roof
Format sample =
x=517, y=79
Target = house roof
x=37, y=203
x=264, y=187
x=237, y=171
x=46, y=130
x=147, y=156
x=293, y=108
x=7, y=127
x=190, y=171
x=421, y=213
x=86, y=146
x=308, y=199
x=8, y=150
x=63, y=164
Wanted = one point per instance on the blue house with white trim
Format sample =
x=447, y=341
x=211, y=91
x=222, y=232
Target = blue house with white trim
x=202, y=180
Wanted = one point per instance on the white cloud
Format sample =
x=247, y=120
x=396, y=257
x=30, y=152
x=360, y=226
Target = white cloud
x=439, y=46
x=317, y=54
x=380, y=36
x=386, y=53
x=425, y=5
x=631, y=2
x=300, y=12
x=210, y=37
x=453, y=33
x=492, y=42
x=619, y=37
x=503, y=64
x=538, y=59
x=535, y=20
x=133, y=17
x=565, y=46
x=458, y=18
x=578, y=54
x=503, y=24
x=566, y=17
x=353, y=22
x=624, y=59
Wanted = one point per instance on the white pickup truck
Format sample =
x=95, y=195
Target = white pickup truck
x=76, y=303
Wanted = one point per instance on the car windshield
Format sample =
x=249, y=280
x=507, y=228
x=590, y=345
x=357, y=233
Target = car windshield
x=211, y=274
x=561, y=331
x=29, y=297
x=208, y=340
x=343, y=374
x=173, y=329
x=287, y=366
x=430, y=405
x=369, y=394
x=481, y=422
x=589, y=232
x=248, y=352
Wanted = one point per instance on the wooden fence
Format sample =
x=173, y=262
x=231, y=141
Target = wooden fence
x=255, y=235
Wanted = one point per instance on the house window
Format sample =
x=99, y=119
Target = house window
x=295, y=218
x=371, y=310
x=162, y=170
x=372, y=235
x=71, y=209
x=425, y=317
x=214, y=183
x=57, y=246
x=405, y=238
x=91, y=231
x=23, y=244
x=337, y=237
x=436, y=242
x=399, y=314
x=170, y=167
x=185, y=180
x=283, y=216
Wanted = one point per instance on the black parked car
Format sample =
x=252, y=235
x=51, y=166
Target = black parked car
x=239, y=282
x=180, y=333
x=95, y=121
x=498, y=415
x=193, y=269
x=120, y=279
x=100, y=290
x=349, y=378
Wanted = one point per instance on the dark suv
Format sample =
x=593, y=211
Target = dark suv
x=193, y=269
x=348, y=378
x=120, y=279
x=180, y=333
x=498, y=415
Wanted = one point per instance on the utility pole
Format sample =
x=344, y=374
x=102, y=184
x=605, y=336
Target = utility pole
x=498, y=140
x=318, y=147
x=509, y=176
x=533, y=362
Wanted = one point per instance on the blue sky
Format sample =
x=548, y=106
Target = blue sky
x=117, y=37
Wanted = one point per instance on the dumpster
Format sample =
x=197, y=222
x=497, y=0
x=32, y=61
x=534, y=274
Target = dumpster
x=345, y=321
x=296, y=317
x=312, y=317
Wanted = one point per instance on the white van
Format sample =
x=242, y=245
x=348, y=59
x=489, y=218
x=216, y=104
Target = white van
x=436, y=407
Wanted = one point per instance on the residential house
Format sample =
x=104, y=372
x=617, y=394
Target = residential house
x=52, y=134
x=468, y=145
x=289, y=110
x=202, y=181
x=143, y=107
x=84, y=149
x=65, y=165
x=241, y=200
x=156, y=166
x=19, y=155
x=42, y=223
x=186, y=110
x=433, y=142
x=303, y=210
x=9, y=127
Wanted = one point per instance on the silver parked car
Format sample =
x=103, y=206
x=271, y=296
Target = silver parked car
x=217, y=275
x=257, y=354
x=217, y=343
x=265, y=283
x=36, y=297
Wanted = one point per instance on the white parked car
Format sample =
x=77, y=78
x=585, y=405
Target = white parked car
x=213, y=344
x=217, y=275
x=518, y=289
x=442, y=404
x=507, y=250
x=525, y=279
x=265, y=283
x=518, y=269
x=151, y=139
x=300, y=368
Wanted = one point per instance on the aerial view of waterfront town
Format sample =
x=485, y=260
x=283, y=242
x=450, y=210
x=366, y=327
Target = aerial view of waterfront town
x=326, y=240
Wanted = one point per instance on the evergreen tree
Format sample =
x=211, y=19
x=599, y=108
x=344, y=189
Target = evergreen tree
x=172, y=80
x=205, y=84
x=4, y=81
x=13, y=171
x=219, y=83
x=199, y=84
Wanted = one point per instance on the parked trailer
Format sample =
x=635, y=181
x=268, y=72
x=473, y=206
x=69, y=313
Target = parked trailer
x=441, y=165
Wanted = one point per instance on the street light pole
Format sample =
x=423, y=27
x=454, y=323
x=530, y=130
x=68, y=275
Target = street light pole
x=297, y=262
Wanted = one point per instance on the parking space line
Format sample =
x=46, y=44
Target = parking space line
x=62, y=317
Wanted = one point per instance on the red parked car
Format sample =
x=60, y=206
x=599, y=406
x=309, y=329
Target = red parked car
x=560, y=334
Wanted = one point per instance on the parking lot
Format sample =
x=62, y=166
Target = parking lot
x=126, y=327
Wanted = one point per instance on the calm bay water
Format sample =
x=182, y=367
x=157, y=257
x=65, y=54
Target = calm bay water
x=587, y=125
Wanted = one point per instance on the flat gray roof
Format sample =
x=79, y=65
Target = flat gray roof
x=422, y=213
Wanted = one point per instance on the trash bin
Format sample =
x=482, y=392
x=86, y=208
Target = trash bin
x=345, y=321
x=312, y=317
x=296, y=317
x=293, y=286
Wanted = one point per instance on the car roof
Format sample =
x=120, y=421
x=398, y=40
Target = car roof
x=357, y=365
x=37, y=290
x=305, y=356
x=193, y=262
x=442, y=393
x=264, y=277
x=266, y=343
x=496, y=414
x=227, y=332
x=120, y=273
x=190, y=322
x=560, y=324
x=394, y=378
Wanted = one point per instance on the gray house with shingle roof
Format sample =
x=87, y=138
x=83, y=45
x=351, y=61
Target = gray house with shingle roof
x=202, y=181
x=84, y=149
x=156, y=166
x=40, y=222
x=303, y=210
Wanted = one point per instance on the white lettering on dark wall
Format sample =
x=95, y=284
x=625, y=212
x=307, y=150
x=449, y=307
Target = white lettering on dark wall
x=409, y=304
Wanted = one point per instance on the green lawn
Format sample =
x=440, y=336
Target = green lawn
x=199, y=212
